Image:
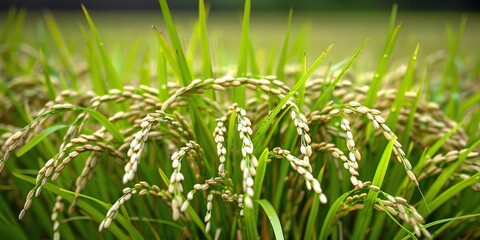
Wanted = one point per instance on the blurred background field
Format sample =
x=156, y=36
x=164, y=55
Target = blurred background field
x=314, y=30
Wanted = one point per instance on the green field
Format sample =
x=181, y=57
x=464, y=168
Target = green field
x=124, y=29
x=242, y=125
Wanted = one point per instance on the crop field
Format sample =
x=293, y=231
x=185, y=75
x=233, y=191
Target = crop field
x=248, y=124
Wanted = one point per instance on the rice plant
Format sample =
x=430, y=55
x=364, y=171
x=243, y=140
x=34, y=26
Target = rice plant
x=194, y=150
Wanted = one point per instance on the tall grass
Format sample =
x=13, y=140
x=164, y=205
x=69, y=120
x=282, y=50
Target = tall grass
x=190, y=149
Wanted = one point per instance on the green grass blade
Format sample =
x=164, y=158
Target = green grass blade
x=250, y=223
x=125, y=222
x=162, y=80
x=451, y=73
x=198, y=221
x=301, y=91
x=273, y=217
x=62, y=48
x=400, y=97
x=98, y=83
x=434, y=195
x=128, y=58
x=164, y=176
x=438, y=144
x=448, y=195
x=392, y=21
x=11, y=227
x=282, y=61
x=193, y=42
x=328, y=221
x=154, y=220
x=202, y=133
x=299, y=44
x=375, y=85
x=201, y=130
x=470, y=102
x=270, y=135
x=107, y=124
x=263, y=128
x=410, y=234
x=207, y=67
x=204, y=46
x=445, y=220
x=244, y=42
x=282, y=172
x=392, y=34
x=239, y=92
x=177, y=46
x=254, y=69
x=365, y=215
x=145, y=74
x=167, y=52
x=230, y=140
x=326, y=96
x=260, y=176
x=445, y=227
x=52, y=94
x=405, y=135
x=111, y=74
x=473, y=127
x=88, y=208
x=37, y=139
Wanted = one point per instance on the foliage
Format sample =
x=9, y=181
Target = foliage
x=304, y=153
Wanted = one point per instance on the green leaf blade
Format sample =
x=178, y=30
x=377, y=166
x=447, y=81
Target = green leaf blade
x=376, y=82
x=366, y=214
x=106, y=123
x=272, y=217
x=37, y=139
x=258, y=137
x=177, y=46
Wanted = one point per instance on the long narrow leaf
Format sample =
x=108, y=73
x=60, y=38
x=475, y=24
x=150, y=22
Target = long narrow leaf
x=375, y=85
x=263, y=128
x=168, y=53
x=404, y=86
x=112, y=75
x=273, y=217
x=405, y=135
x=283, y=55
x=445, y=220
x=435, y=196
x=366, y=214
x=204, y=46
x=239, y=92
x=250, y=223
x=332, y=211
x=326, y=95
x=87, y=207
x=52, y=93
x=37, y=139
x=259, y=177
x=62, y=48
x=107, y=124
x=177, y=46
x=436, y=146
